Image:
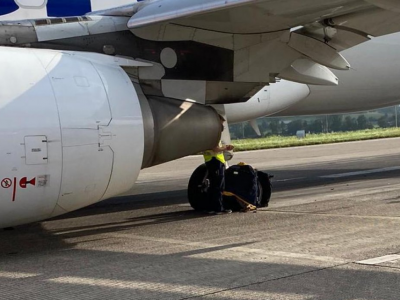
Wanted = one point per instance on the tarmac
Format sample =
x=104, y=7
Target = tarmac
x=332, y=231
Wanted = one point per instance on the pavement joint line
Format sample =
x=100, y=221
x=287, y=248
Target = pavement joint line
x=105, y=226
x=372, y=171
x=196, y=291
x=334, y=215
x=289, y=179
x=323, y=211
x=268, y=280
x=335, y=196
x=283, y=277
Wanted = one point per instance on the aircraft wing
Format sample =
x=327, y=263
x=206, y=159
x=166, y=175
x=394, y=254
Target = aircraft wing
x=223, y=50
x=312, y=33
x=242, y=17
x=318, y=30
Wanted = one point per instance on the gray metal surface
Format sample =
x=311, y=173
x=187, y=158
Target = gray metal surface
x=23, y=33
x=149, y=244
x=177, y=129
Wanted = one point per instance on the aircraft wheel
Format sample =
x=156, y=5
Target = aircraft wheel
x=198, y=188
x=264, y=188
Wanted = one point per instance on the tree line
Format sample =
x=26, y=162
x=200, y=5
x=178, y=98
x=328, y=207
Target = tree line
x=382, y=118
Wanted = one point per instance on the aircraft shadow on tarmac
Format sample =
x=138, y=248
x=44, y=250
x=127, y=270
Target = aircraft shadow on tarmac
x=131, y=223
x=310, y=178
x=32, y=237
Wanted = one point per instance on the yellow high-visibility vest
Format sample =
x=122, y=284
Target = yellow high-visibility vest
x=209, y=154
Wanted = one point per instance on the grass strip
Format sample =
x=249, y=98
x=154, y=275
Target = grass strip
x=314, y=139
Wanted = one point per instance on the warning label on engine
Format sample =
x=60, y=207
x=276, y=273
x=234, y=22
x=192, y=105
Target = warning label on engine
x=6, y=183
x=23, y=183
x=42, y=180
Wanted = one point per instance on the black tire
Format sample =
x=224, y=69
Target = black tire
x=197, y=189
x=264, y=189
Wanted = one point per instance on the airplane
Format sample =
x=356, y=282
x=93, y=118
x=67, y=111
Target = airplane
x=89, y=99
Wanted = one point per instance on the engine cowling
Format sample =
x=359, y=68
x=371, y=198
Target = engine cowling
x=73, y=133
x=66, y=126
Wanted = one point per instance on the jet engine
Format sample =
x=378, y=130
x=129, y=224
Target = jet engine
x=76, y=130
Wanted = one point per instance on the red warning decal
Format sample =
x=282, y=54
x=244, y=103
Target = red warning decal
x=14, y=189
x=23, y=183
x=7, y=183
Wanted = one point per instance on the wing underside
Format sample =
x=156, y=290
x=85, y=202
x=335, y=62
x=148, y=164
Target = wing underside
x=219, y=51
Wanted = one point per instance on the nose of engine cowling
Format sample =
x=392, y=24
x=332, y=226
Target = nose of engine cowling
x=71, y=131
x=30, y=151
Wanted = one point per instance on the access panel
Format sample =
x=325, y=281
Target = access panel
x=36, y=150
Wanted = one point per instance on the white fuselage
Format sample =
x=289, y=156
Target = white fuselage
x=372, y=82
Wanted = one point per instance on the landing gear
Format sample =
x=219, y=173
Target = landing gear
x=199, y=184
x=198, y=188
x=264, y=188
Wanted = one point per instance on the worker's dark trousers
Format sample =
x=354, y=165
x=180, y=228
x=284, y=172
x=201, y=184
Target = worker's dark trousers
x=216, y=175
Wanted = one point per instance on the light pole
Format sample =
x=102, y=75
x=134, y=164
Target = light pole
x=326, y=124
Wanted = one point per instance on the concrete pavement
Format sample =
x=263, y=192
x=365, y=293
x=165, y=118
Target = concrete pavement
x=322, y=237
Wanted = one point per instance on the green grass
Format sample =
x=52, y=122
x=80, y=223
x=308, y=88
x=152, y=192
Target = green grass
x=314, y=139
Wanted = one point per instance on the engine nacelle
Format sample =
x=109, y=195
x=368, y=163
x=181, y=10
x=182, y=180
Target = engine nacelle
x=73, y=133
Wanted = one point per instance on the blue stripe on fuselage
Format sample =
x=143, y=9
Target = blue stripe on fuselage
x=55, y=8
x=7, y=6
x=65, y=8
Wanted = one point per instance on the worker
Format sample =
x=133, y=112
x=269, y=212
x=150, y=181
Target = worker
x=215, y=162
